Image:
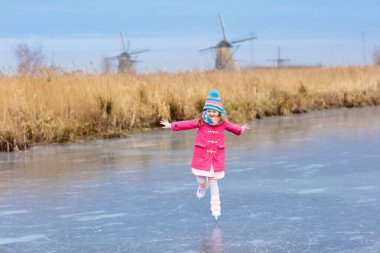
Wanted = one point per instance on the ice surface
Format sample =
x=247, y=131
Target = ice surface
x=27, y=238
x=307, y=183
x=12, y=212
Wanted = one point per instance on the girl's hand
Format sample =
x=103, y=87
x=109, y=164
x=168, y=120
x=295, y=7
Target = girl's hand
x=165, y=123
x=245, y=127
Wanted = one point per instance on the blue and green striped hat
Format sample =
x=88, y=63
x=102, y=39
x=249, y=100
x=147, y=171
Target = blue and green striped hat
x=214, y=102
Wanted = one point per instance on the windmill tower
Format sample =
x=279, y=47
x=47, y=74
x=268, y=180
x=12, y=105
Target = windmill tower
x=280, y=62
x=125, y=60
x=224, y=54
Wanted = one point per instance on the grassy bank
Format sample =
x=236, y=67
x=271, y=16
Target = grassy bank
x=62, y=107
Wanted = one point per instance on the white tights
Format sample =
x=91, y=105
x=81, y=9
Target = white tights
x=213, y=183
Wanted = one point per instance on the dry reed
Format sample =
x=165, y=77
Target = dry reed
x=63, y=107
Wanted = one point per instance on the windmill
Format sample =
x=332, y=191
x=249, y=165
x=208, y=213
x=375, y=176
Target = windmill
x=224, y=54
x=280, y=62
x=126, y=59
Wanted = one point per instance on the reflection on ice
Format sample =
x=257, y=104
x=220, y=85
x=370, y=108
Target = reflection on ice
x=295, y=218
x=313, y=166
x=311, y=191
x=12, y=212
x=27, y=238
x=80, y=214
x=366, y=200
x=366, y=187
x=99, y=217
x=212, y=243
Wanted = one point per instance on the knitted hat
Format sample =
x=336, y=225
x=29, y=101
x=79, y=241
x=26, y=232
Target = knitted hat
x=214, y=102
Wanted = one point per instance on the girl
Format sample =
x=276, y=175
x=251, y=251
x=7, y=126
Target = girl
x=208, y=158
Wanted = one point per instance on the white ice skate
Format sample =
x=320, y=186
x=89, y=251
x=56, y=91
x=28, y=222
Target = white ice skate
x=201, y=192
x=215, y=207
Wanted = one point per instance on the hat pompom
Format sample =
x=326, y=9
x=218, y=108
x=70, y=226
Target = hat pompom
x=213, y=93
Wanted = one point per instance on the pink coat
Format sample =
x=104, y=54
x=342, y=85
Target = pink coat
x=209, y=147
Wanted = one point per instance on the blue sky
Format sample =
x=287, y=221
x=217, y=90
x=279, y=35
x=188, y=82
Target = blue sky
x=77, y=34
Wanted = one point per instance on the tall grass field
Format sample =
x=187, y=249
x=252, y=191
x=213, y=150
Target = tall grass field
x=56, y=107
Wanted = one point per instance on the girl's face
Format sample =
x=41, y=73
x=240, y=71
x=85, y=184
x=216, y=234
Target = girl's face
x=212, y=113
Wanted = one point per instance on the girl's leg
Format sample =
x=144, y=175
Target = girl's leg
x=202, y=188
x=202, y=181
x=214, y=188
x=215, y=199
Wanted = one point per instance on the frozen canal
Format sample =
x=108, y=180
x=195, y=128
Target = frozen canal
x=308, y=183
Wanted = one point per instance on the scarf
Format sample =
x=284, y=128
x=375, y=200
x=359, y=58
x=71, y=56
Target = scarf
x=211, y=121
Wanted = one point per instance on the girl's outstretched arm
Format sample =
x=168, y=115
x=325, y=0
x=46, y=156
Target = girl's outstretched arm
x=180, y=125
x=166, y=123
x=236, y=129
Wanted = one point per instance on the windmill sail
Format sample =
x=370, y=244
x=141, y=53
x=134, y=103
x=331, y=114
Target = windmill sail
x=122, y=42
x=222, y=27
x=251, y=37
x=206, y=49
x=140, y=51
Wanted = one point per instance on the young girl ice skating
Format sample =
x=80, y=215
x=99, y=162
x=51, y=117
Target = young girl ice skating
x=209, y=155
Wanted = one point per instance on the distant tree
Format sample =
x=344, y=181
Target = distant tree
x=29, y=60
x=376, y=56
